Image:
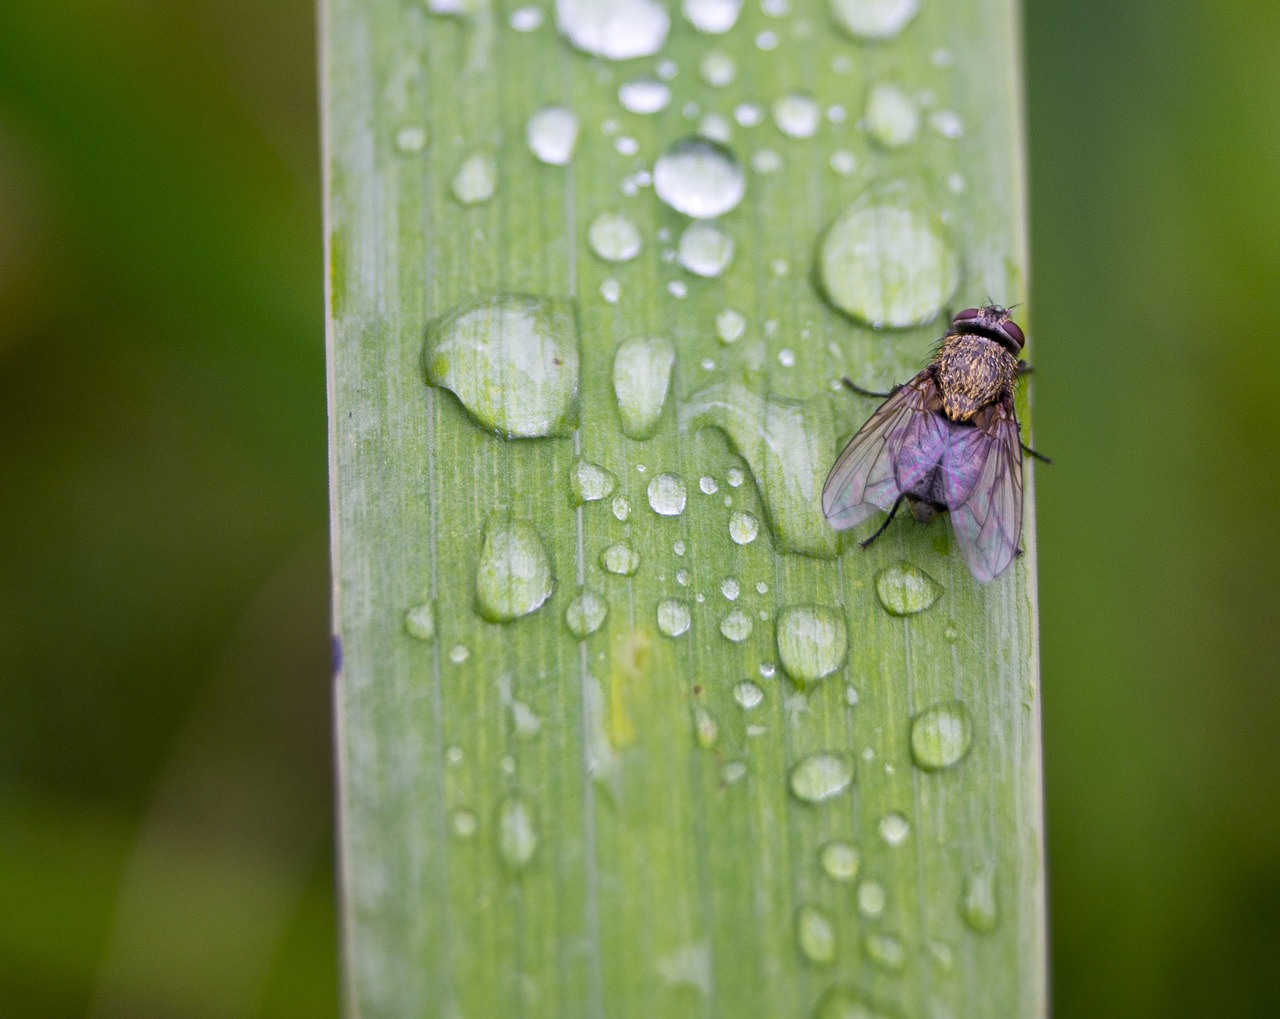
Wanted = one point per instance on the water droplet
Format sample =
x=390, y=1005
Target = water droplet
x=978, y=906
x=889, y=262
x=947, y=123
x=464, y=823
x=614, y=29
x=513, y=362
x=797, y=116
x=585, y=614
x=940, y=735
x=787, y=357
x=700, y=178
x=678, y=547
x=517, y=833
x=705, y=250
x=892, y=118
x=821, y=776
x=718, y=69
x=730, y=589
x=420, y=621
x=526, y=19
x=734, y=771
x=454, y=755
x=790, y=447
x=767, y=41
x=715, y=17
x=514, y=574
x=874, y=19
x=620, y=559
x=610, y=291
x=707, y=485
x=736, y=626
x=459, y=653
x=614, y=237
x=527, y=724
x=626, y=145
x=766, y=161
x=411, y=139
x=735, y=477
x=590, y=482
x=667, y=69
x=747, y=694
x=748, y=114
x=673, y=617
x=886, y=950
x=644, y=95
x=476, y=179
x=844, y=162
x=840, y=1003
x=841, y=860
x=904, y=589
x=667, y=495
x=871, y=898
x=621, y=507
x=641, y=378
x=552, y=134
x=894, y=829
x=705, y=730
x=955, y=183
x=811, y=642
x=816, y=935
x=688, y=965
x=743, y=528
x=730, y=325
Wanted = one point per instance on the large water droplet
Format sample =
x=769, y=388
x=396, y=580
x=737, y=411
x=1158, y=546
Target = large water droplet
x=614, y=29
x=700, y=178
x=715, y=17
x=871, y=898
x=673, y=617
x=590, y=482
x=513, y=362
x=585, y=614
x=904, y=589
x=736, y=626
x=874, y=19
x=514, y=575
x=552, y=134
x=841, y=860
x=816, y=935
x=476, y=179
x=840, y=1003
x=644, y=95
x=420, y=621
x=797, y=116
x=743, y=527
x=940, y=735
x=978, y=906
x=705, y=250
x=789, y=446
x=641, y=379
x=667, y=495
x=888, y=261
x=620, y=559
x=821, y=776
x=811, y=642
x=517, y=833
x=892, y=118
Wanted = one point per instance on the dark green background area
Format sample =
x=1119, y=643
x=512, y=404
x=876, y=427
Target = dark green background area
x=165, y=788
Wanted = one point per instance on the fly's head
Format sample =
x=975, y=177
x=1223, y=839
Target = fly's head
x=993, y=322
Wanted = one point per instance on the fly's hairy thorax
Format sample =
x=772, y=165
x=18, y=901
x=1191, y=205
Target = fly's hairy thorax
x=972, y=372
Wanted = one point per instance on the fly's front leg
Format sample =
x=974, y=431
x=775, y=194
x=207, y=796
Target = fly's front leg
x=849, y=384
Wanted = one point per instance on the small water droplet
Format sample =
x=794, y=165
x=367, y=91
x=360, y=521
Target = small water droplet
x=894, y=829
x=748, y=114
x=714, y=17
x=699, y=178
x=517, y=833
x=677, y=288
x=644, y=95
x=513, y=577
x=978, y=906
x=590, y=482
x=420, y=622
x=673, y=617
x=787, y=357
x=730, y=325
x=816, y=935
x=730, y=589
x=705, y=250
x=840, y=1003
x=621, y=507
x=614, y=237
x=526, y=722
x=614, y=29
x=736, y=626
x=526, y=19
x=836, y=114
x=625, y=145
x=891, y=116
x=705, y=730
x=641, y=378
x=940, y=735
x=747, y=694
x=718, y=69
x=851, y=696
x=552, y=134
x=620, y=559
x=844, y=162
x=887, y=261
x=886, y=951
x=464, y=823
x=797, y=116
x=459, y=653
x=585, y=614
x=904, y=589
x=941, y=953
x=707, y=485
x=874, y=19
x=667, y=495
x=734, y=771
x=871, y=898
x=735, y=477
x=476, y=179
x=454, y=755
x=610, y=291
x=715, y=127
x=767, y=41
x=947, y=123
x=821, y=776
x=678, y=547
x=811, y=642
x=841, y=860
x=766, y=161
x=411, y=139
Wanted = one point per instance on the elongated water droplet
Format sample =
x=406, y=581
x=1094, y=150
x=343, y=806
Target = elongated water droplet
x=514, y=575
x=517, y=833
x=892, y=118
x=821, y=776
x=673, y=617
x=644, y=95
x=730, y=325
x=811, y=642
x=871, y=898
x=904, y=589
x=420, y=622
x=620, y=559
x=888, y=261
x=816, y=935
x=841, y=1003
x=614, y=29
x=841, y=860
x=886, y=950
x=979, y=904
x=513, y=362
x=748, y=695
x=874, y=19
x=700, y=178
x=705, y=250
x=667, y=495
x=797, y=116
x=940, y=735
x=641, y=379
x=552, y=134
x=590, y=482
x=789, y=446
x=736, y=626
x=743, y=528
x=476, y=179
x=714, y=17
x=585, y=614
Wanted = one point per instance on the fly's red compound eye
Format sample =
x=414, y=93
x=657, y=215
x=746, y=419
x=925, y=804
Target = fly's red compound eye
x=968, y=315
x=1014, y=332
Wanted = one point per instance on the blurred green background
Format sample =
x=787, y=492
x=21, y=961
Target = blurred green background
x=165, y=787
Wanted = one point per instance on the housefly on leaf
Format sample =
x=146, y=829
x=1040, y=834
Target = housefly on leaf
x=947, y=441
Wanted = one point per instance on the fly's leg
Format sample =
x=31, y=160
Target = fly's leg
x=867, y=392
x=1024, y=369
x=1039, y=456
x=880, y=530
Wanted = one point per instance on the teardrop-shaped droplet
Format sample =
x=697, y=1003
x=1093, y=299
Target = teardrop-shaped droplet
x=514, y=574
x=811, y=642
x=821, y=776
x=940, y=735
x=874, y=19
x=700, y=178
x=641, y=379
x=420, y=622
x=816, y=935
x=517, y=833
x=614, y=29
x=476, y=179
x=904, y=589
x=590, y=482
x=748, y=695
x=979, y=904
x=586, y=614
x=552, y=134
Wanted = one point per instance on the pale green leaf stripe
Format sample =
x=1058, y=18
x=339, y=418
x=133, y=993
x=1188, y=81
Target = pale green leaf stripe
x=661, y=887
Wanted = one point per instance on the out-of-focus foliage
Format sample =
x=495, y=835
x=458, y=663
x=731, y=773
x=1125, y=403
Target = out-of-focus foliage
x=164, y=770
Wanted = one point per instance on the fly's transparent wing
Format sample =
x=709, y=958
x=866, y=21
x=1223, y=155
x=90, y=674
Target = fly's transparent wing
x=871, y=472
x=983, y=470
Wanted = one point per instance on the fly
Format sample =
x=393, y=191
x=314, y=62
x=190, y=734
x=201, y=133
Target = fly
x=947, y=441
